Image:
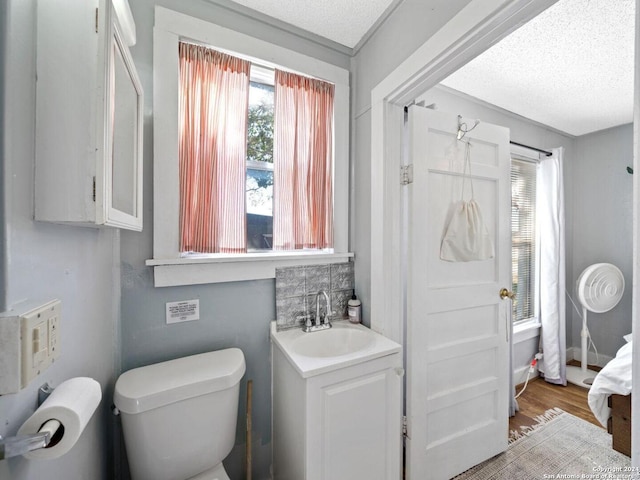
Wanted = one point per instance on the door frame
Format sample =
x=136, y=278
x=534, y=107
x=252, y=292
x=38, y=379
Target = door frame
x=470, y=32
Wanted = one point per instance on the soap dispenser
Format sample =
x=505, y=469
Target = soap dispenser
x=355, y=309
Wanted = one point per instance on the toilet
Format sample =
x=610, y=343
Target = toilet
x=179, y=417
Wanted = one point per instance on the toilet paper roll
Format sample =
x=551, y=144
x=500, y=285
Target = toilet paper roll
x=72, y=403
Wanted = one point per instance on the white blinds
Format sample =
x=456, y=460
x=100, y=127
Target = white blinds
x=523, y=233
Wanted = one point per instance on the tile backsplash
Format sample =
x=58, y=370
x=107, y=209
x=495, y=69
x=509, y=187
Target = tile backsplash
x=297, y=287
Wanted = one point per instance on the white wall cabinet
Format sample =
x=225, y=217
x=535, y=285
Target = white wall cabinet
x=89, y=115
x=340, y=425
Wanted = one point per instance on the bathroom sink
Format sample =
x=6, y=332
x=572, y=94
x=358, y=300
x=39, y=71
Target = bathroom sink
x=337, y=341
x=343, y=345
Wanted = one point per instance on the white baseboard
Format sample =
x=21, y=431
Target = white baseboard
x=520, y=375
x=574, y=353
x=570, y=354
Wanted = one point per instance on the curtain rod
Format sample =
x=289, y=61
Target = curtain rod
x=548, y=154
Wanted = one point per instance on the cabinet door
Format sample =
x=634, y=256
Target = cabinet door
x=67, y=57
x=122, y=182
x=360, y=430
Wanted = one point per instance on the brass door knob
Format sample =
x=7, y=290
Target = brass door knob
x=504, y=293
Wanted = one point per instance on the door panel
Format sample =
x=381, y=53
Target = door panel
x=457, y=336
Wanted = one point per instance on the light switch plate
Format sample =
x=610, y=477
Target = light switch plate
x=40, y=345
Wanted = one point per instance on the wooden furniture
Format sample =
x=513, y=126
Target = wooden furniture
x=619, y=424
x=89, y=111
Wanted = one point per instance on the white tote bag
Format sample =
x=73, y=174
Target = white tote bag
x=465, y=237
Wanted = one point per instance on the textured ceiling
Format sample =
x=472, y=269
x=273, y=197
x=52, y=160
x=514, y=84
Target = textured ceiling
x=570, y=68
x=343, y=21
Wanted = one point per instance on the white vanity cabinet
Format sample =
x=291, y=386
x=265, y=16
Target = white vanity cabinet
x=343, y=424
x=89, y=115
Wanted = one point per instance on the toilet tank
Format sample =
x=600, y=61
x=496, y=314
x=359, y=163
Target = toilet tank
x=179, y=417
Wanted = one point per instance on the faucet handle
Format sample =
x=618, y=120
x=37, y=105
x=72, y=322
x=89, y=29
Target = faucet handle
x=307, y=319
x=328, y=316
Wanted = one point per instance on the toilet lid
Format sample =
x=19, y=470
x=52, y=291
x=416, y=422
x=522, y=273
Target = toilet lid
x=154, y=386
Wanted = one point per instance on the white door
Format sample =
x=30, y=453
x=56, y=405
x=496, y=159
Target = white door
x=457, y=335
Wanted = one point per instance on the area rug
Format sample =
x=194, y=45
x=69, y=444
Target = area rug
x=558, y=446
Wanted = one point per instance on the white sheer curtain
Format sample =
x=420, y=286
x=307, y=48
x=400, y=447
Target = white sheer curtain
x=303, y=162
x=550, y=211
x=214, y=93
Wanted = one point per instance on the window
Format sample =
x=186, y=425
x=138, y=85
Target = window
x=523, y=239
x=288, y=126
x=259, y=185
x=258, y=256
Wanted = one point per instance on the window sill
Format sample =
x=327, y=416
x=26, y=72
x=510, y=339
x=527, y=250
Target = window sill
x=233, y=267
x=526, y=330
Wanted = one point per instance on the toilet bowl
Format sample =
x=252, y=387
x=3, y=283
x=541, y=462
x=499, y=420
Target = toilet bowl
x=179, y=417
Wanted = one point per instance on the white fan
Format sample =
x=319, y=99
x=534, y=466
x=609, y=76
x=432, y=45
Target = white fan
x=600, y=288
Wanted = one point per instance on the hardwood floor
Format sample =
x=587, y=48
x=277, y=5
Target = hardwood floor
x=541, y=396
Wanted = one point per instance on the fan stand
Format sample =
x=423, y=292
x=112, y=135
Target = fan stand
x=582, y=376
x=599, y=287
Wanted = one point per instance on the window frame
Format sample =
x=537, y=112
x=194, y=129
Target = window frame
x=528, y=327
x=170, y=268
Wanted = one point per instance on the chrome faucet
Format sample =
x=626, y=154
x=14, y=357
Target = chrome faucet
x=328, y=312
x=321, y=322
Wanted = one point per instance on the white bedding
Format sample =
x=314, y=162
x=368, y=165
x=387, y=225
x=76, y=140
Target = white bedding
x=615, y=377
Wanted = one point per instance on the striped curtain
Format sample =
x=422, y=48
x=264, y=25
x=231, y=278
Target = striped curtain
x=303, y=162
x=214, y=92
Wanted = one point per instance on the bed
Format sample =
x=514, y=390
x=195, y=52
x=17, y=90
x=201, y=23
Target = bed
x=610, y=398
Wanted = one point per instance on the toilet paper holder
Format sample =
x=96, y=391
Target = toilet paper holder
x=21, y=444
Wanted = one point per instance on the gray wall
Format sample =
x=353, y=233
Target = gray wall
x=602, y=225
x=4, y=38
x=411, y=24
x=42, y=261
x=231, y=314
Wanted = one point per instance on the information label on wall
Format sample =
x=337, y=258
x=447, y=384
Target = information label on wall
x=184, y=311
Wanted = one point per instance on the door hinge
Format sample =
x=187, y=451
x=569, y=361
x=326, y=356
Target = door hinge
x=405, y=430
x=94, y=189
x=97, y=20
x=406, y=174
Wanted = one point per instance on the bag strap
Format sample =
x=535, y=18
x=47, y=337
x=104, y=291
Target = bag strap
x=467, y=166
